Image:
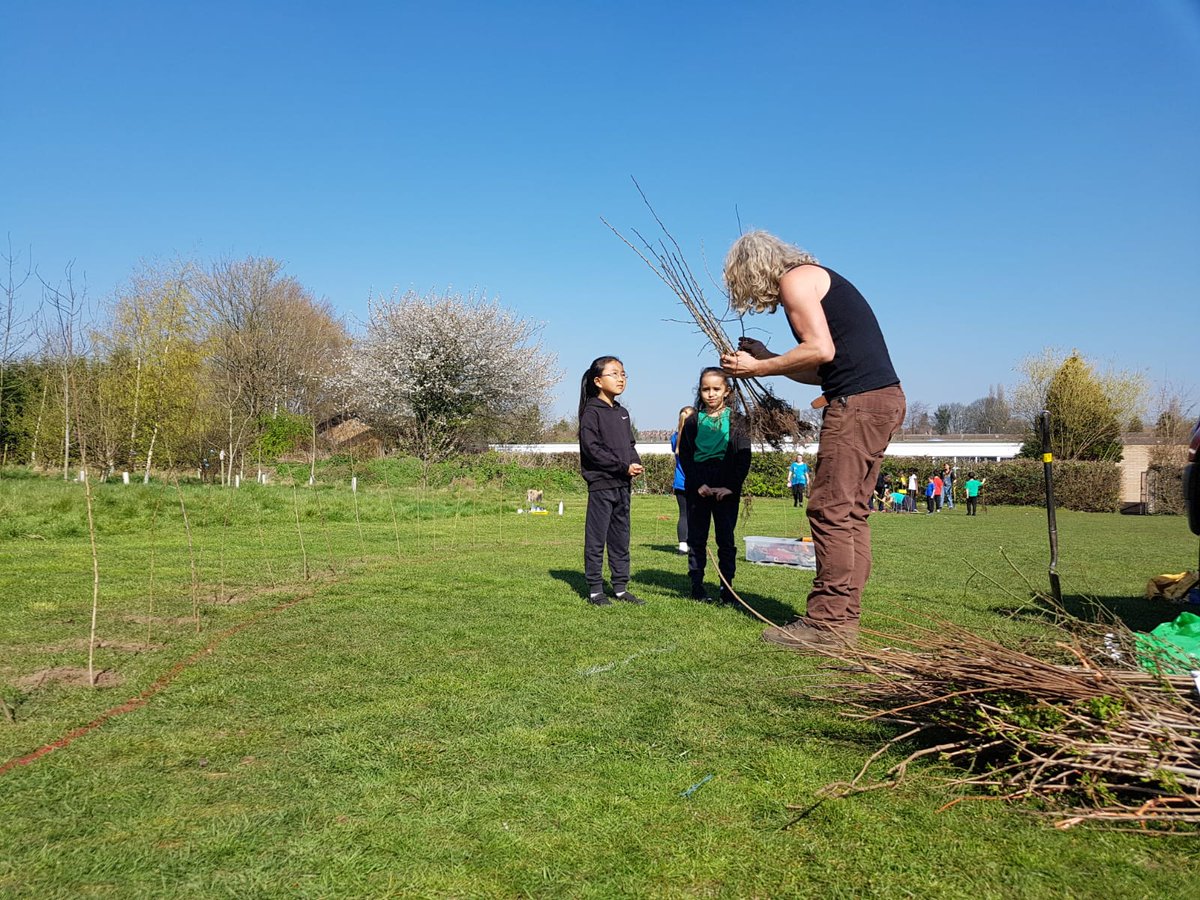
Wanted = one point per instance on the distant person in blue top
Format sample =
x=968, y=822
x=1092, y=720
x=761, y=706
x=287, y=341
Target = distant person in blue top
x=681, y=529
x=798, y=479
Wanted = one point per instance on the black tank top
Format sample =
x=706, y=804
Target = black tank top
x=861, y=361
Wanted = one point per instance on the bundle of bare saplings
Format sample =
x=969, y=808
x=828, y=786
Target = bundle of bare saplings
x=1085, y=726
x=772, y=420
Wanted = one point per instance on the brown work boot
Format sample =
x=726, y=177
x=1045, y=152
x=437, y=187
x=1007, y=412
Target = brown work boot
x=804, y=634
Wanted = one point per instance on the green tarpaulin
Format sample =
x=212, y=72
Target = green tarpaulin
x=1173, y=648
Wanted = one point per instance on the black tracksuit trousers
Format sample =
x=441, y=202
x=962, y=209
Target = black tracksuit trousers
x=607, y=523
x=723, y=515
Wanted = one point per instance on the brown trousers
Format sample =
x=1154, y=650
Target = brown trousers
x=854, y=435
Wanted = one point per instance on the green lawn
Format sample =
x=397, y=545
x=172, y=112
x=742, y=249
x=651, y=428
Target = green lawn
x=442, y=715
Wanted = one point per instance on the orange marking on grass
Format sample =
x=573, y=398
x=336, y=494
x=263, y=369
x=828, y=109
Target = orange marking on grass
x=141, y=699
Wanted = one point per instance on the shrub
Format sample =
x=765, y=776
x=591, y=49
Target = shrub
x=279, y=434
x=1164, y=490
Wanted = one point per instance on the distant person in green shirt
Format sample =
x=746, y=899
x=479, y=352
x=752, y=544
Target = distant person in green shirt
x=972, y=488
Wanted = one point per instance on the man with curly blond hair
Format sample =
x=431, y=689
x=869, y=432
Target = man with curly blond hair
x=840, y=347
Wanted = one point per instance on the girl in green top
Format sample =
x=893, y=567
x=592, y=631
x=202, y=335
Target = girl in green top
x=973, y=485
x=714, y=451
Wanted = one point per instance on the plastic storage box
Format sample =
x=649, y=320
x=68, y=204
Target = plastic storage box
x=773, y=551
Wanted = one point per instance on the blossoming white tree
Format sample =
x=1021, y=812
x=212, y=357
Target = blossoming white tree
x=442, y=371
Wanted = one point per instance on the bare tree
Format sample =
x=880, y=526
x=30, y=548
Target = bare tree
x=917, y=419
x=64, y=307
x=269, y=342
x=1173, y=413
x=992, y=414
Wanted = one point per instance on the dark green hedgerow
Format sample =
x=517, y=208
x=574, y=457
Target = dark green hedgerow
x=1082, y=486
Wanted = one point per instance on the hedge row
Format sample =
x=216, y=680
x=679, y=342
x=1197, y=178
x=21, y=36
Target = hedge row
x=1085, y=486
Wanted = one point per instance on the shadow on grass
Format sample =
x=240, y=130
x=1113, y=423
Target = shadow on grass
x=678, y=583
x=673, y=549
x=1136, y=613
x=573, y=578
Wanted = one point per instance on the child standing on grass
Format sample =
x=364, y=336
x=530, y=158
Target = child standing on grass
x=973, y=485
x=798, y=479
x=714, y=450
x=609, y=462
x=681, y=530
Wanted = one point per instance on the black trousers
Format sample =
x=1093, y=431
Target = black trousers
x=723, y=515
x=971, y=501
x=797, y=494
x=607, y=524
x=681, y=528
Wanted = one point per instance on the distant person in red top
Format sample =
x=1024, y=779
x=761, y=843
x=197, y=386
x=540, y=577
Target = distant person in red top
x=938, y=487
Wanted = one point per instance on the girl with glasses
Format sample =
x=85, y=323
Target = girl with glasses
x=609, y=462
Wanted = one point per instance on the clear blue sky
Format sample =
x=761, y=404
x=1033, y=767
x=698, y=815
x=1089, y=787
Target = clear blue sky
x=995, y=177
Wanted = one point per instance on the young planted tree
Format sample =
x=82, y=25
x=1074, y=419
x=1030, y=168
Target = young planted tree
x=63, y=307
x=444, y=371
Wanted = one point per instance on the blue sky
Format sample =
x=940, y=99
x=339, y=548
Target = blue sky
x=996, y=177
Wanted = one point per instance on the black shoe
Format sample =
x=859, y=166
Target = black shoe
x=630, y=597
x=700, y=595
x=599, y=600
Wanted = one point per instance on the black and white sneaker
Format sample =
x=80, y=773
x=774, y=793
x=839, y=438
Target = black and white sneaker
x=599, y=600
x=630, y=597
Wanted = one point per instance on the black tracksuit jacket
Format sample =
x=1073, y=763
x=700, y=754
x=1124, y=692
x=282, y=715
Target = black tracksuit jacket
x=728, y=472
x=606, y=446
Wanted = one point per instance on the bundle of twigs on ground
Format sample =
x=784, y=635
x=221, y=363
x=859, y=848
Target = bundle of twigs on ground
x=1074, y=726
x=772, y=420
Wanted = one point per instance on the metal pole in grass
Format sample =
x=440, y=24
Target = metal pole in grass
x=1048, y=469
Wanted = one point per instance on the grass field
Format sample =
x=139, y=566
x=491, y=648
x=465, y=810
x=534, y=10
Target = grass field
x=440, y=714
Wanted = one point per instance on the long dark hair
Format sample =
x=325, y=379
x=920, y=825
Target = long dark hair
x=734, y=401
x=737, y=419
x=587, y=387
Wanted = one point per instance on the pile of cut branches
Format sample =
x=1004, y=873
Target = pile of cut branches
x=1073, y=725
x=772, y=420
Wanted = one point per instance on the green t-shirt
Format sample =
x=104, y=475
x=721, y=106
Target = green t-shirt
x=712, y=435
x=973, y=487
